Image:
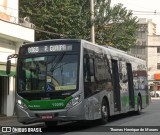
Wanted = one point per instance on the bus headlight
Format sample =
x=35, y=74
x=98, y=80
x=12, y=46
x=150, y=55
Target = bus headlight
x=74, y=101
x=21, y=104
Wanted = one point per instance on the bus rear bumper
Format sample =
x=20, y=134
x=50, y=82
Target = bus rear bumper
x=31, y=116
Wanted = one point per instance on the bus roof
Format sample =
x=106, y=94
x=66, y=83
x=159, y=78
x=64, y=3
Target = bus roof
x=53, y=40
x=113, y=51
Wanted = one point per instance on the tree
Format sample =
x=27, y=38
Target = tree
x=119, y=30
x=71, y=19
x=64, y=18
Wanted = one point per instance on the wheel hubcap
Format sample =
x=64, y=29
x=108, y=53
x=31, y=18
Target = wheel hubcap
x=104, y=110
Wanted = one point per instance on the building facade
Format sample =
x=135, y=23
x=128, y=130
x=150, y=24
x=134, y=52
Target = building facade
x=12, y=35
x=148, y=48
x=154, y=62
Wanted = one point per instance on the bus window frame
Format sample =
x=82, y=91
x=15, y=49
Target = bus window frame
x=49, y=54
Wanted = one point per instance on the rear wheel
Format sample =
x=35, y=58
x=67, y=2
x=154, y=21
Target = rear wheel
x=139, y=105
x=51, y=123
x=104, y=112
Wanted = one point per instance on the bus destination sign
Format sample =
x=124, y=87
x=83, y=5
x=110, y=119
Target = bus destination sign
x=50, y=48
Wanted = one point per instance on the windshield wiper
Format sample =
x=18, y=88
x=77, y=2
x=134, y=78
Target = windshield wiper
x=57, y=62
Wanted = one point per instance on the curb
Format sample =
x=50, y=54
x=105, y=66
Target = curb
x=8, y=118
x=155, y=98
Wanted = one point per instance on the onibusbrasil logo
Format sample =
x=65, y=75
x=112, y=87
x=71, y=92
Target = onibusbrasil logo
x=21, y=129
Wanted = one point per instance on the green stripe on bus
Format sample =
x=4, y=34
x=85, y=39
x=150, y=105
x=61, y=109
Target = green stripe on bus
x=125, y=101
x=47, y=104
x=144, y=99
x=135, y=99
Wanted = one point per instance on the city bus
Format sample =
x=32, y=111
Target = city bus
x=73, y=80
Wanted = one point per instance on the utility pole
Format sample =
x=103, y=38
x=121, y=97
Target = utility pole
x=92, y=21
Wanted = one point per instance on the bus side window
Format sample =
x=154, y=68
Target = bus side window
x=89, y=73
x=91, y=67
x=88, y=69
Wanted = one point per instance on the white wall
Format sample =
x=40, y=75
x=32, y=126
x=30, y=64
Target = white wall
x=6, y=48
x=16, y=31
x=153, y=56
x=9, y=10
x=12, y=37
x=11, y=97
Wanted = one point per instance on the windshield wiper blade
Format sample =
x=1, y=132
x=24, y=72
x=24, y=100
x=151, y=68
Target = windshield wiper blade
x=57, y=62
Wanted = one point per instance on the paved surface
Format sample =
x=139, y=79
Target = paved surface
x=12, y=121
x=149, y=117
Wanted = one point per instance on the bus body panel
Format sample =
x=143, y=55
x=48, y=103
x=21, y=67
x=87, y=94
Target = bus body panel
x=66, y=114
x=124, y=93
x=89, y=107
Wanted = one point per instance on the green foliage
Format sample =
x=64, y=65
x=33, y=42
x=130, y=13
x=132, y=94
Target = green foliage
x=71, y=19
x=119, y=30
x=67, y=18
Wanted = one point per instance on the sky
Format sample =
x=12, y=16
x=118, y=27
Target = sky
x=143, y=9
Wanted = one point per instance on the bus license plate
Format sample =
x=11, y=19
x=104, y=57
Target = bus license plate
x=47, y=117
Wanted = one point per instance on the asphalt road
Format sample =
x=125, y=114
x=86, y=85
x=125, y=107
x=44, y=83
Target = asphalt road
x=130, y=122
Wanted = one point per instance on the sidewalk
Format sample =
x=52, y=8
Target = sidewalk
x=9, y=121
x=4, y=118
x=155, y=98
x=12, y=121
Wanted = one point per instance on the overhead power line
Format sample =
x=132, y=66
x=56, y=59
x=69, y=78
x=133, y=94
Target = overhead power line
x=146, y=12
x=53, y=33
x=48, y=32
x=147, y=46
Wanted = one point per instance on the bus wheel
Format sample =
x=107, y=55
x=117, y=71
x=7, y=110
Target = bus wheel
x=51, y=123
x=139, y=105
x=104, y=112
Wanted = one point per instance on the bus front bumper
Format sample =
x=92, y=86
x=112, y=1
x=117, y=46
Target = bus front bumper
x=27, y=116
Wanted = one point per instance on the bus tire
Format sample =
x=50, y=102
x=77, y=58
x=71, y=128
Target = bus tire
x=104, y=112
x=51, y=123
x=139, y=106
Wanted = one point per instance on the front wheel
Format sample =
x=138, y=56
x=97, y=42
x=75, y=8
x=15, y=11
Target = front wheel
x=104, y=112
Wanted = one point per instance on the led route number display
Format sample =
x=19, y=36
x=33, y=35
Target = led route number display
x=49, y=48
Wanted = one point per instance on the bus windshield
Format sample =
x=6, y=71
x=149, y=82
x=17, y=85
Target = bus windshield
x=48, y=73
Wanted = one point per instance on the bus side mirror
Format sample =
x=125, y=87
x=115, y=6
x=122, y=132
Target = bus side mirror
x=8, y=67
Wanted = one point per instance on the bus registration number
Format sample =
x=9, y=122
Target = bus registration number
x=47, y=116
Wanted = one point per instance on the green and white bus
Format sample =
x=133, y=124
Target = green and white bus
x=73, y=79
